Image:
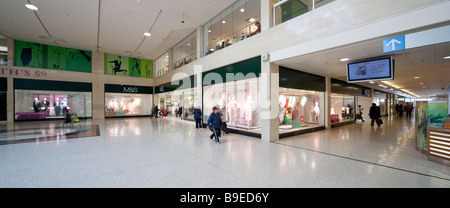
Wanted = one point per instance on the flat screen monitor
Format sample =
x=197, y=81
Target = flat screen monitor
x=373, y=70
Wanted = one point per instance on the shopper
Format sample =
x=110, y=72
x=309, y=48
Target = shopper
x=375, y=114
x=409, y=108
x=214, y=123
x=198, y=117
x=154, y=111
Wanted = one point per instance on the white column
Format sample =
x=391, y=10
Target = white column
x=199, y=42
x=269, y=96
x=327, y=103
x=266, y=14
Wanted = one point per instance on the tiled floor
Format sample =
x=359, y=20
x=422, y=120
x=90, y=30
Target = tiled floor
x=146, y=152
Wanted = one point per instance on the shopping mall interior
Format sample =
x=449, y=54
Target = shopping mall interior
x=105, y=93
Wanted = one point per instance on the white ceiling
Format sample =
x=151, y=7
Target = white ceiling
x=425, y=62
x=117, y=26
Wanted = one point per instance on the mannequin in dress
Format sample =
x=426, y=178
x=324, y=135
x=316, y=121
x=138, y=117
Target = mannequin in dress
x=316, y=112
x=248, y=110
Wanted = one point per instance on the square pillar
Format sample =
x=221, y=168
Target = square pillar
x=269, y=101
x=327, y=103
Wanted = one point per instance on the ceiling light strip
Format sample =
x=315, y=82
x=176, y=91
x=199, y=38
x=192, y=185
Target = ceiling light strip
x=149, y=31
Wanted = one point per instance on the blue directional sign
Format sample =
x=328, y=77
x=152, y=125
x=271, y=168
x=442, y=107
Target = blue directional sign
x=394, y=44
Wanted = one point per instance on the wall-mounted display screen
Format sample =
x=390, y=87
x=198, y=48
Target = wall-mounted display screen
x=373, y=70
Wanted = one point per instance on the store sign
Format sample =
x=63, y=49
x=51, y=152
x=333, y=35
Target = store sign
x=128, y=89
x=22, y=72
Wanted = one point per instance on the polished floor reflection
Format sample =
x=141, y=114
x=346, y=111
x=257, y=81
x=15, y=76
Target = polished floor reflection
x=144, y=152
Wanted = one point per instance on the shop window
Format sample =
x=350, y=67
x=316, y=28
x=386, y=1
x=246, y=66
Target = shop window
x=236, y=23
x=40, y=104
x=238, y=102
x=180, y=103
x=121, y=104
x=185, y=51
x=286, y=10
x=300, y=109
x=342, y=108
x=3, y=52
x=162, y=65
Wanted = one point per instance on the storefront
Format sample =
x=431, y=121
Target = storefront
x=302, y=101
x=179, y=100
x=3, y=101
x=42, y=99
x=128, y=101
x=234, y=89
x=343, y=101
x=432, y=130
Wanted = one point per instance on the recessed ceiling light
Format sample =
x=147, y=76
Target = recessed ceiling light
x=447, y=57
x=345, y=59
x=224, y=22
x=242, y=10
x=209, y=31
x=252, y=20
x=421, y=83
x=147, y=34
x=32, y=7
x=416, y=77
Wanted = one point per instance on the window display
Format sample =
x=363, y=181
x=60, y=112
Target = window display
x=342, y=108
x=119, y=104
x=179, y=103
x=33, y=104
x=237, y=101
x=300, y=109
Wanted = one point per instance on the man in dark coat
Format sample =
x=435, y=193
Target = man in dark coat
x=375, y=114
x=198, y=117
x=214, y=122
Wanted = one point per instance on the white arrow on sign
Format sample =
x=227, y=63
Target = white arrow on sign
x=393, y=42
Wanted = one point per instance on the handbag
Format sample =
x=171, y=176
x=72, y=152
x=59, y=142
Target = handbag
x=380, y=121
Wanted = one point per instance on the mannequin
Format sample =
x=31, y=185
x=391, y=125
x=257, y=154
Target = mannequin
x=235, y=111
x=65, y=106
x=44, y=106
x=316, y=112
x=57, y=106
x=36, y=105
x=248, y=110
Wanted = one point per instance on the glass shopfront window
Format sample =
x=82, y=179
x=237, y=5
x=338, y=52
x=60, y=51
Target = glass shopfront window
x=234, y=24
x=342, y=108
x=179, y=103
x=286, y=10
x=300, y=109
x=185, y=51
x=3, y=52
x=40, y=104
x=162, y=64
x=121, y=104
x=237, y=101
